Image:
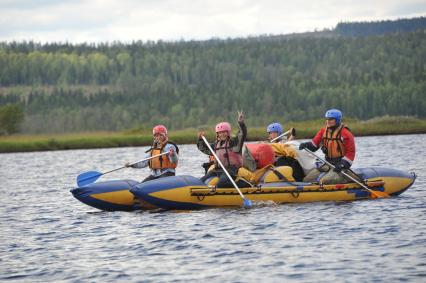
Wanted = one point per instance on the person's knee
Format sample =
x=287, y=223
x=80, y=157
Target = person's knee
x=312, y=175
x=333, y=178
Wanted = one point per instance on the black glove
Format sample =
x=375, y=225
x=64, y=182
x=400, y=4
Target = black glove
x=341, y=165
x=206, y=166
x=308, y=145
x=293, y=132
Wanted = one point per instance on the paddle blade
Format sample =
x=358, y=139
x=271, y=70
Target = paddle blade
x=87, y=178
x=247, y=203
x=379, y=194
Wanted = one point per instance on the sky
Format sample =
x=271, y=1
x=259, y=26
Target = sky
x=94, y=21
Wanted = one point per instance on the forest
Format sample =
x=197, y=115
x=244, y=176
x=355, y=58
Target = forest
x=63, y=87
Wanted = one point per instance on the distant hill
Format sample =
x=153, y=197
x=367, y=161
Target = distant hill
x=380, y=27
x=114, y=86
x=359, y=29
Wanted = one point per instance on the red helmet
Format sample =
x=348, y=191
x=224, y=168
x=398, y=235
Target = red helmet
x=159, y=129
x=223, y=127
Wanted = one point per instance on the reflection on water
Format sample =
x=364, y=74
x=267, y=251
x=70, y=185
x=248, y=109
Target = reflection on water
x=47, y=235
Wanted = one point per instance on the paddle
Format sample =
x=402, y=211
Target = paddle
x=91, y=176
x=246, y=202
x=374, y=194
x=280, y=136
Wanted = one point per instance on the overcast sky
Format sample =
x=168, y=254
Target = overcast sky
x=79, y=21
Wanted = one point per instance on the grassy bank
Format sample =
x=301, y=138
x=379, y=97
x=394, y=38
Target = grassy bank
x=306, y=129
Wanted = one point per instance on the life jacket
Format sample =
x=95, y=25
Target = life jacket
x=227, y=156
x=280, y=173
x=161, y=162
x=253, y=177
x=333, y=143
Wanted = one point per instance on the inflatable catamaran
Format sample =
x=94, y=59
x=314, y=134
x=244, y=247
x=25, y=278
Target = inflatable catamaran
x=188, y=192
x=268, y=184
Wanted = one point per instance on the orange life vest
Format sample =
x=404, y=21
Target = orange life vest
x=333, y=143
x=161, y=162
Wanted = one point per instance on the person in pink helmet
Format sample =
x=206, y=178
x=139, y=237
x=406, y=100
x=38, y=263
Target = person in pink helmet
x=162, y=166
x=228, y=148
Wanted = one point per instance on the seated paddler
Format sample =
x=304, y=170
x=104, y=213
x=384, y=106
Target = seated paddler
x=258, y=165
x=162, y=156
x=228, y=149
x=338, y=144
x=275, y=133
x=285, y=154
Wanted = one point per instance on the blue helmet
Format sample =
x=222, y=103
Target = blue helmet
x=334, y=114
x=275, y=127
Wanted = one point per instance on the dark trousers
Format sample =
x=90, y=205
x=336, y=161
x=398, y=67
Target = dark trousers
x=298, y=173
x=224, y=181
x=152, y=177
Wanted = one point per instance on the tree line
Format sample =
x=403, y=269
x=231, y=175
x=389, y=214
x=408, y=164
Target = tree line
x=68, y=88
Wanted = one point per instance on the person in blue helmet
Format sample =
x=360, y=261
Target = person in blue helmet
x=285, y=154
x=275, y=130
x=338, y=144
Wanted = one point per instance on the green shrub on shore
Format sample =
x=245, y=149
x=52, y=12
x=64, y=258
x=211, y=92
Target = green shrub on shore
x=140, y=137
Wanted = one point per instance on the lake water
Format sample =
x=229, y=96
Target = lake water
x=48, y=236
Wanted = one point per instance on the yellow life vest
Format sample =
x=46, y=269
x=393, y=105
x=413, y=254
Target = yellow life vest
x=280, y=173
x=252, y=177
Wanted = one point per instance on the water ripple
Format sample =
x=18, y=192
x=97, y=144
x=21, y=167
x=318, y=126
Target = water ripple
x=49, y=236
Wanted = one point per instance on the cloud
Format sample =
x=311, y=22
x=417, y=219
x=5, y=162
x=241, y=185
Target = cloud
x=27, y=4
x=414, y=8
x=127, y=20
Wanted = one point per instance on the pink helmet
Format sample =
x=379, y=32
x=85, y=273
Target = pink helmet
x=223, y=127
x=160, y=129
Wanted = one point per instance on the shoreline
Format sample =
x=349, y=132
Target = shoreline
x=52, y=144
x=305, y=130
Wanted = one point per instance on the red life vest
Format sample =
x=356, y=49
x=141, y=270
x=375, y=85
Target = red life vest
x=227, y=156
x=333, y=142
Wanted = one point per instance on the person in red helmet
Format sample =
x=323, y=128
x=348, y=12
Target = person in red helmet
x=162, y=166
x=228, y=149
